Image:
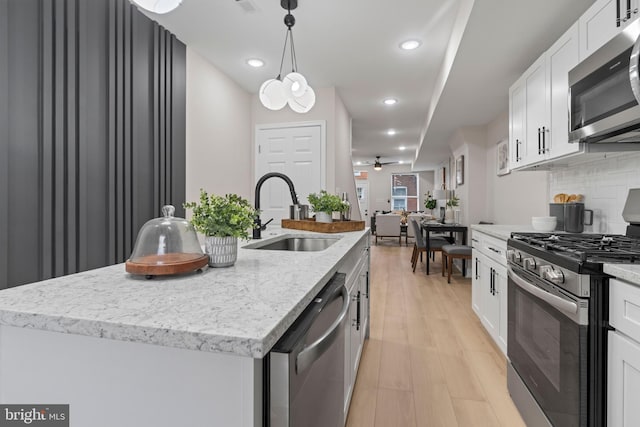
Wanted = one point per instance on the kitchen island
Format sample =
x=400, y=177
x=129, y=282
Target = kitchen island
x=184, y=350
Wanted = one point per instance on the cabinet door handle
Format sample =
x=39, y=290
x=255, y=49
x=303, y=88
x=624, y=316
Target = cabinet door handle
x=617, y=13
x=358, y=312
x=518, y=150
x=539, y=142
x=544, y=140
x=628, y=9
x=477, y=268
x=367, y=294
x=491, y=280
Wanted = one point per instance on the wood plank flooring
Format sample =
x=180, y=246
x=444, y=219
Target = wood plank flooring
x=428, y=361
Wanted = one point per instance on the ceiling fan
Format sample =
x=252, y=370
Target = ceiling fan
x=378, y=164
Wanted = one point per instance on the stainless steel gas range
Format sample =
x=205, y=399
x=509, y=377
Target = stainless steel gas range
x=558, y=322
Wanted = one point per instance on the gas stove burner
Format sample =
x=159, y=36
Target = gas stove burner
x=586, y=248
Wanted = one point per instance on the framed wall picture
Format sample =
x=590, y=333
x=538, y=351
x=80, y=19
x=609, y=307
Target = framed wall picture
x=459, y=171
x=502, y=158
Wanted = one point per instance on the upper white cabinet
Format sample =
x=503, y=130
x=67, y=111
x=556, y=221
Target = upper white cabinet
x=539, y=117
x=536, y=116
x=561, y=58
x=517, y=122
x=603, y=20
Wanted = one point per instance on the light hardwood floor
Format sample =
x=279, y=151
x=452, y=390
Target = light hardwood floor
x=428, y=361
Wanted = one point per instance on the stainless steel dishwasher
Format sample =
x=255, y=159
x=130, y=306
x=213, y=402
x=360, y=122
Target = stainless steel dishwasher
x=306, y=366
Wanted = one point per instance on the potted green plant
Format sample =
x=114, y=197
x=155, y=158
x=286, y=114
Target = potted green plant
x=222, y=220
x=430, y=203
x=324, y=204
x=453, y=202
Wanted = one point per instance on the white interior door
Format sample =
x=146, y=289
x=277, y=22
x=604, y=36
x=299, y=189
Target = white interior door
x=362, y=190
x=296, y=150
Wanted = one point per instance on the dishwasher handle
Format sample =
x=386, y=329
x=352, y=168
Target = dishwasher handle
x=316, y=349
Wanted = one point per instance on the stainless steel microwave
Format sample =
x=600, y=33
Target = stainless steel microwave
x=604, y=92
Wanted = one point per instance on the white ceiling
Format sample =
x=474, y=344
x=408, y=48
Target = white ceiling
x=354, y=46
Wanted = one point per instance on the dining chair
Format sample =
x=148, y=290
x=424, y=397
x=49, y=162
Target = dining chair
x=420, y=245
x=451, y=252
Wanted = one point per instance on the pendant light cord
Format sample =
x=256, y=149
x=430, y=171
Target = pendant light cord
x=294, y=59
x=284, y=50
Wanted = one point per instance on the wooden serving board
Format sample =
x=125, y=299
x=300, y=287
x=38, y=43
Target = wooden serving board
x=323, y=227
x=160, y=265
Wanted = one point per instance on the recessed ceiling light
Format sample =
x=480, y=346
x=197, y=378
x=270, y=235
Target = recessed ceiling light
x=391, y=132
x=358, y=163
x=402, y=148
x=400, y=162
x=390, y=101
x=255, y=62
x=410, y=44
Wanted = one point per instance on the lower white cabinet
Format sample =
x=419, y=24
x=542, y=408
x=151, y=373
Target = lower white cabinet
x=489, y=286
x=623, y=370
x=356, y=325
x=624, y=381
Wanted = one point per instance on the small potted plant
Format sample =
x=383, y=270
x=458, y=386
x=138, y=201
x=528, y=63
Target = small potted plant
x=430, y=203
x=453, y=202
x=324, y=204
x=222, y=220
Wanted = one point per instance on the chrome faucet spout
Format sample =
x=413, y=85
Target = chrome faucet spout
x=294, y=198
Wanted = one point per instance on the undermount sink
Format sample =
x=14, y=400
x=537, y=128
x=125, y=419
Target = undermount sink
x=297, y=244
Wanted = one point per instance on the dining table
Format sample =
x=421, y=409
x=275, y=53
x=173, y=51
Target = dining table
x=429, y=227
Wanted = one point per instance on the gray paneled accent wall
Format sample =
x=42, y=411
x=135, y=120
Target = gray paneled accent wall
x=92, y=133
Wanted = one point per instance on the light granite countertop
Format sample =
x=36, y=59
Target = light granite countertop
x=628, y=272
x=241, y=310
x=502, y=232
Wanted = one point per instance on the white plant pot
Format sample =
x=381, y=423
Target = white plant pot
x=323, y=217
x=222, y=251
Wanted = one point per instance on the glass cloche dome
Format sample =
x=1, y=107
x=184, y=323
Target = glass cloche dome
x=166, y=245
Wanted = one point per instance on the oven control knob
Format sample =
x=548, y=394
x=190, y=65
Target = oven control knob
x=554, y=276
x=514, y=256
x=529, y=264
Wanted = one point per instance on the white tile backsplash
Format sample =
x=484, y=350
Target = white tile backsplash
x=605, y=183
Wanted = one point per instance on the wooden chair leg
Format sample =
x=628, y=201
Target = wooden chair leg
x=444, y=263
x=449, y=270
x=415, y=262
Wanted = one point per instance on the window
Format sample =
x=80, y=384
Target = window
x=404, y=192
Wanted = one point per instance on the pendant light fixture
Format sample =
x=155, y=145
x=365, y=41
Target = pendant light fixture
x=158, y=6
x=293, y=89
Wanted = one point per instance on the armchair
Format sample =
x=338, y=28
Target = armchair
x=388, y=226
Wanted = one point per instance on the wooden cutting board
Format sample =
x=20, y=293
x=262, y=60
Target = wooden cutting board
x=323, y=227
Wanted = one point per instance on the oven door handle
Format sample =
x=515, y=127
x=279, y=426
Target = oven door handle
x=311, y=353
x=555, y=301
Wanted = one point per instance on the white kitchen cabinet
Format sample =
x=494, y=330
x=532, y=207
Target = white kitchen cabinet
x=356, y=324
x=623, y=381
x=517, y=108
x=623, y=369
x=537, y=111
x=602, y=21
x=598, y=25
x=489, y=286
x=545, y=119
x=477, y=267
x=561, y=57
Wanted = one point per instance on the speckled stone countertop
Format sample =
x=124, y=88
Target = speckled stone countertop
x=242, y=310
x=502, y=232
x=628, y=272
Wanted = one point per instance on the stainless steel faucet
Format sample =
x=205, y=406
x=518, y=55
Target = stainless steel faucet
x=258, y=224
